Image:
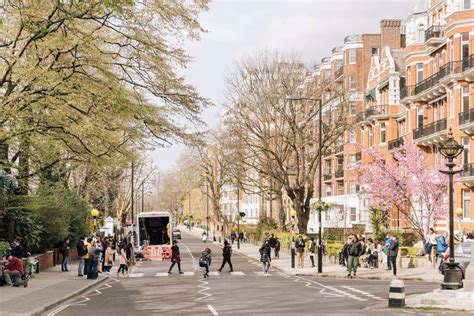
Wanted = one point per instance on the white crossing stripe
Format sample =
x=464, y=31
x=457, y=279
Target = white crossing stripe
x=260, y=273
x=161, y=274
x=237, y=273
x=363, y=293
x=136, y=275
x=188, y=273
x=213, y=273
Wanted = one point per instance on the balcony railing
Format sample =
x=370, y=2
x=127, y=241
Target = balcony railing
x=427, y=130
x=339, y=173
x=453, y=67
x=373, y=111
x=434, y=31
x=466, y=117
x=339, y=149
x=468, y=170
x=327, y=176
x=339, y=71
x=396, y=143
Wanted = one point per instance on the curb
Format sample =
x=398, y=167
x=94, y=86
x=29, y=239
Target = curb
x=70, y=295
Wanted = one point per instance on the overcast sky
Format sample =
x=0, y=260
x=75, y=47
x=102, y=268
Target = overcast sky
x=236, y=28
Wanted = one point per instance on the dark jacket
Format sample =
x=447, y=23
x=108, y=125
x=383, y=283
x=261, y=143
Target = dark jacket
x=227, y=251
x=205, y=257
x=174, y=252
x=393, y=250
x=272, y=242
x=64, y=250
x=17, y=251
x=355, y=249
x=312, y=246
x=265, y=253
x=299, y=245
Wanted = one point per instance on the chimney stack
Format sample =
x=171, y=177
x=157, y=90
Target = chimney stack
x=390, y=31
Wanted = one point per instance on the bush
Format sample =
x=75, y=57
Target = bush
x=3, y=248
x=380, y=236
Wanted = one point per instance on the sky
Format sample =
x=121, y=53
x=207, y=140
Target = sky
x=236, y=28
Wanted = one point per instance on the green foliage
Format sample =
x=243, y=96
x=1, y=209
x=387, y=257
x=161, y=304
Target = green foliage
x=381, y=235
x=3, y=248
x=378, y=219
x=25, y=225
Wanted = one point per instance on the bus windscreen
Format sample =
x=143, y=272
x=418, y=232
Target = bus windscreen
x=154, y=231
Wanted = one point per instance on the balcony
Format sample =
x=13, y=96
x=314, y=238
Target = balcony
x=339, y=173
x=435, y=85
x=466, y=121
x=376, y=112
x=339, y=149
x=327, y=176
x=467, y=176
x=434, y=35
x=396, y=143
x=430, y=134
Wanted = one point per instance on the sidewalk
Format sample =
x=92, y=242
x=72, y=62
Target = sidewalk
x=331, y=270
x=46, y=290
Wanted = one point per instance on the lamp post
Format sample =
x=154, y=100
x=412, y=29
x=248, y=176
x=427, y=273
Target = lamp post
x=95, y=213
x=453, y=273
x=320, y=175
x=294, y=222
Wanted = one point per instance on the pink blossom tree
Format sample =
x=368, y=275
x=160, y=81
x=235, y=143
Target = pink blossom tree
x=407, y=183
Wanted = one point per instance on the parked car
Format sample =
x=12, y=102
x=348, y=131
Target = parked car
x=176, y=233
x=462, y=255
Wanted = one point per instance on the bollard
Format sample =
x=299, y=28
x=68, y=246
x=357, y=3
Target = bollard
x=396, y=297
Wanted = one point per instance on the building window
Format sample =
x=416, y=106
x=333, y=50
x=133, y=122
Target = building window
x=420, y=33
x=465, y=99
x=340, y=189
x=353, y=212
x=352, y=188
x=352, y=159
x=328, y=167
x=383, y=133
x=352, y=136
x=352, y=82
x=328, y=190
x=327, y=216
x=375, y=51
x=408, y=81
x=352, y=56
x=466, y=151
x=419, y=72
x=371, y=137
x=466, y=203
x=467, y=4
x=451, y=104
x=465, y=50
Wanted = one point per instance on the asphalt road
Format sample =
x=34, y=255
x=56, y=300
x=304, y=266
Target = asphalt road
x=149, y=290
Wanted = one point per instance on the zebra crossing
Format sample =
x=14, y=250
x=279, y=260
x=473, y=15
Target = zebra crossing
x=198, y=273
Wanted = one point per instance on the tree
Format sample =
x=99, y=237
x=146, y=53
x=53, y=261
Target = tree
x=277, y=136
x=378, y=219
x=406, y=183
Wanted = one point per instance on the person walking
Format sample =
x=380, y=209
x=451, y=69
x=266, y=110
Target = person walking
x=311, y=247
x=175, y=257
x=277, y=248
x=94, y=253
x=108, y=258
x=265, y=259
x=81, y=252
x=122, y=260
x=355, y=250
x=226, y=254
x=130, y=256
x=272, y=242
x=205, y=261
x=64, y=250
x=300, y=245
x=87, y=244
x=393, y=250
x=388, y=242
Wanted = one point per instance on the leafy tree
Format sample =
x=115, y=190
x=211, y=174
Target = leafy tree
x=378, y=219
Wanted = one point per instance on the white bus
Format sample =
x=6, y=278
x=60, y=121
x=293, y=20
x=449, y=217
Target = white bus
x=154, y=235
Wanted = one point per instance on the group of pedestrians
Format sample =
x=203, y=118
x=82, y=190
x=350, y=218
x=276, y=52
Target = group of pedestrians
x=97, y=255
x=13, y=273
x=241, y=236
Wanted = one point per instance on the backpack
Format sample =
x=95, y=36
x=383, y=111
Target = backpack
x=204, y=260
x=81, y=249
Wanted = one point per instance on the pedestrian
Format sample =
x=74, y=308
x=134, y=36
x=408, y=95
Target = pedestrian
x=81, y=252
x=205, y=261
x=388, y=242
x=355, y=250
x=272, y=242
x=108, y=257
x=130, y=256
x=393, y=254
x=104, y=244
x=345, y=252
x=241, y=237
x=14, y=270
x=300, y=245
x=204, y=237
x=373, y=254
x=434, y=244
x=226, y=254
x=232, y=237
x=94, y=253
x=265, y=258
x=311, y=248
x=16, y=250
x=175, y=257
x=87, y=264
x=100, y=254
x=64, y=250
x=277, y=248
x=123, y=268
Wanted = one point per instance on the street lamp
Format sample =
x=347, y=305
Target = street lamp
x=294, y=222
x=95, y=213
x=239, y=216
x=320, y=175
x=453, y=273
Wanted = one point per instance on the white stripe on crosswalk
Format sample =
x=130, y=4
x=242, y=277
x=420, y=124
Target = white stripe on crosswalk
x=136, y=275
x=214, y=273
x=188, y=273
x=237, y=273
x=161, y=274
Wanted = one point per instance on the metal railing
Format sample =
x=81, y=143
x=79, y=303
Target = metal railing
x=339, y=172
x=468, y=170
x=429, y=129
x=435, y=31
x=339, y=149
x=339, y=71
x=327, y=176
x=466, y=117
x=395, y=143
x=373, y=111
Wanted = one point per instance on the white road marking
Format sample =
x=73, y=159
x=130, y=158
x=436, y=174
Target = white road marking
x=188, y=273
x=363, y=293
x=213, y=311
x=161, y=274
x=136, y=275
x=237, y=273
x=214, y=273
